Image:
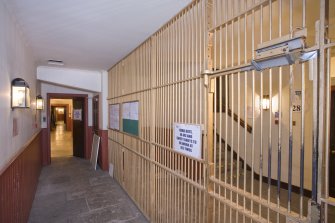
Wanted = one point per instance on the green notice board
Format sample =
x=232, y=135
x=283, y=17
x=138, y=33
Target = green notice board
x=130, y=126
x=130, y=118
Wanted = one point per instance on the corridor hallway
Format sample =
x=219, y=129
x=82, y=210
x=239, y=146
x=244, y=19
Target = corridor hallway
x=69, y=190
x=61, y=141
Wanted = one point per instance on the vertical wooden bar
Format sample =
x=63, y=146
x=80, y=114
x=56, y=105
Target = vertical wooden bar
x=152, y=123
x=210, y=144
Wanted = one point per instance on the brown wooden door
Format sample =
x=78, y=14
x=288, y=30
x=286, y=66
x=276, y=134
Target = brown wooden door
x=78, y=126
x=96, y=114
x=332, y=147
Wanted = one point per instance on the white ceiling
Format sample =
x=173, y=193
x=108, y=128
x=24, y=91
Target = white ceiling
x=89, y=34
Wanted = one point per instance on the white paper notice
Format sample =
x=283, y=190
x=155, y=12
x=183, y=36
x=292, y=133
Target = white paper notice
x=130, y=110
x=77, y=114
x=187, y=139
x=134, y=110
x=114, y=116
x=126, y=111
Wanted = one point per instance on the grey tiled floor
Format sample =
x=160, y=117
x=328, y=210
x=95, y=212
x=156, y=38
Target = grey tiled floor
x=69, y=190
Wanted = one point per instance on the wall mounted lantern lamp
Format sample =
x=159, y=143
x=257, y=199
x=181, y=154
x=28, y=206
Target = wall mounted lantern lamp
x=266, y=102
x=20, y=94
x=39, y=102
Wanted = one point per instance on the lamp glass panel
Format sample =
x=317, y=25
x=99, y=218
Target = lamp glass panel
x=266, y=103
x=27, y=97
x=39, y=103
x=19, y=96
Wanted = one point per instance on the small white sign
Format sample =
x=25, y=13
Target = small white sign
x=77, y=114
x=296, y=103
x=187, y=139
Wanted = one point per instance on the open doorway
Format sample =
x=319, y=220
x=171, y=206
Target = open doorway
x=67, y=120
x=61, y=135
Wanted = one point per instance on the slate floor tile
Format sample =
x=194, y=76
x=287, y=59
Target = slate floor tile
x=70, y=191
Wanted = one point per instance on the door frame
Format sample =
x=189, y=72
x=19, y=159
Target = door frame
x=332, y=89
x=94, y=99
x=66, y=96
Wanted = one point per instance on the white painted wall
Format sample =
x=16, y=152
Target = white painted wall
x=75, y=81
x=51, y=88
x=16, y=60
x=74, y=78
x=103, y=101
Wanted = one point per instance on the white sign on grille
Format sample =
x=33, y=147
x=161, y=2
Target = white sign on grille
x=187, y=139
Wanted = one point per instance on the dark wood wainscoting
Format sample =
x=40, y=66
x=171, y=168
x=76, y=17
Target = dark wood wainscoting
x=18, y=182
x=46, y=154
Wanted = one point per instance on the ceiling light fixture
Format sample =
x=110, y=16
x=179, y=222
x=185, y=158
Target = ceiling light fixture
x=56, y=62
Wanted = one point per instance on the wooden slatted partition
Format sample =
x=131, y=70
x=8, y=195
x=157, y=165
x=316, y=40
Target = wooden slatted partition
x=130, y=80
x=180, y=52
x=164, y=76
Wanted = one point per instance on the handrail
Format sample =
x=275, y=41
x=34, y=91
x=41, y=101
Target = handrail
x=242, y=122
